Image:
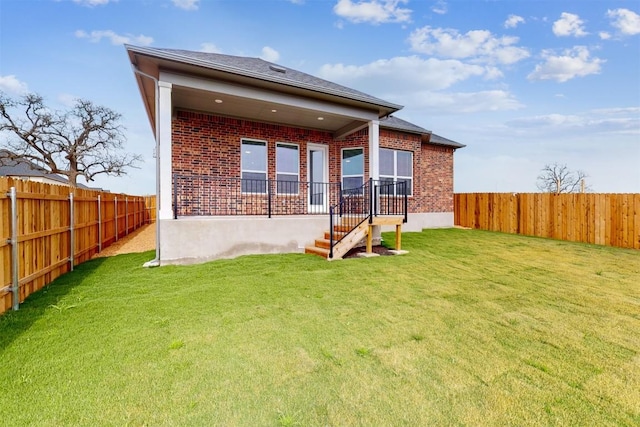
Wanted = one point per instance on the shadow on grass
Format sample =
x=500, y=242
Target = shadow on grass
x=14, y=323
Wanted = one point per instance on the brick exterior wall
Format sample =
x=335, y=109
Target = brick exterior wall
x=208, y=146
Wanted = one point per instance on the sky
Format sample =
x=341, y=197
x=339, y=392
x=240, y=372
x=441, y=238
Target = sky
x=523, y=83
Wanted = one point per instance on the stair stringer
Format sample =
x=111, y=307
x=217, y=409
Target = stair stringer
x=349, y=241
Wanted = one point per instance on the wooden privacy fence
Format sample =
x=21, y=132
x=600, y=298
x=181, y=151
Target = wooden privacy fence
x=46, y=230
x=602, y=219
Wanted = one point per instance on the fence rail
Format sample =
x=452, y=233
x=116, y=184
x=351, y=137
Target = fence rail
x=602, y=219
x=45, y=230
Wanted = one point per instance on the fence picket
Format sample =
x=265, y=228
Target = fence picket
x=45, y=244
x=603, y=219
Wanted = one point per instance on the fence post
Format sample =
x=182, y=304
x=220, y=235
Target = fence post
x=72, y=240
x=126, y=216
x=115, y=214
x=15, y=284
x=99, y=224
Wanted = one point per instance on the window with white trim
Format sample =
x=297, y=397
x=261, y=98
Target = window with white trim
x=287, y=168
x=352, y=168
x=253, y=165
x=396, y=166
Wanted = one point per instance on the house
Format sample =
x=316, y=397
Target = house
x=253, y=157
x=20, y=168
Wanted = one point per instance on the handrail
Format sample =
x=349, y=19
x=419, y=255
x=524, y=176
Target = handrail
x=355, y=207
x=373, y=198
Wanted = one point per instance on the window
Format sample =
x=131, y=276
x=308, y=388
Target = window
x=352, y=169
x=254, y=166
x=396, y=166
x=287, y=168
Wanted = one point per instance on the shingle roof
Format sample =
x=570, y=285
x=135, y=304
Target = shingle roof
x=261, y=69
x=25, y=168
x=439, y=140
x=392, y=122
x=268, y=71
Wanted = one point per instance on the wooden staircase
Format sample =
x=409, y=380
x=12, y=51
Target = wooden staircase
x=351, y=237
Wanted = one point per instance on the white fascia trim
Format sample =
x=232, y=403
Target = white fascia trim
x=267, y=96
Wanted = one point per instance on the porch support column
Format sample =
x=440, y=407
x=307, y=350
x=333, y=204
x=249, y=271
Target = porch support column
x=374, y=173
x=374, y=149
x=164, y=151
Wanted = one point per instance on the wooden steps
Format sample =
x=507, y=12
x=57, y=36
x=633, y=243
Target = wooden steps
x=350, y=237
x=324, y=253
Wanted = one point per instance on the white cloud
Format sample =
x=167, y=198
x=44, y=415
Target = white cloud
x=440, y=7
x=604, y=35
x=11, y=84
x=270, y=54
x=513, y=21
x=603, y=121
x=91, y=3
x=372, y=11
x=572, y=63
x=67, y=99
x=463, y=102
x=546, y=120
x=569, y=25
x=476, y=44
x=97, y=36
x=186, y=4
x=209, y=48
x=625, y=20
x=404, y=74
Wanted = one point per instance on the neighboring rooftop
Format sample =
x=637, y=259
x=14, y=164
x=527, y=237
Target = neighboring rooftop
x=22, y=168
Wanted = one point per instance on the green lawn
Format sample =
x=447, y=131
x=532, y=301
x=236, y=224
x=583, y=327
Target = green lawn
x=469, y=328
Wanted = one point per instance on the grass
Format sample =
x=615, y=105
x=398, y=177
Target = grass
x=469, y=328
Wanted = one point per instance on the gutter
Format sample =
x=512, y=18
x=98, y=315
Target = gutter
x=155, y=262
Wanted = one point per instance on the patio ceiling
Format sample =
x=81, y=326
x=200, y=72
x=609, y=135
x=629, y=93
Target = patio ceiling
x=270, y=111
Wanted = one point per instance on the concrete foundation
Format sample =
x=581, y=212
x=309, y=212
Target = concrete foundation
x=190, y=240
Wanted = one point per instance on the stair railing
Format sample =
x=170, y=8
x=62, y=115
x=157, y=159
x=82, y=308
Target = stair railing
x=354, y=208
x=374, y=198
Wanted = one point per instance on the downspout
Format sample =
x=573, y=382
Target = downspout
x=155, y=262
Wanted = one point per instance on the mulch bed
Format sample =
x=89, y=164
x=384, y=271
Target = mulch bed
x=378, y=249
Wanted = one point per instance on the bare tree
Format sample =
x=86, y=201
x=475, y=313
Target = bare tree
x=87, y=140
x=558, y=179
